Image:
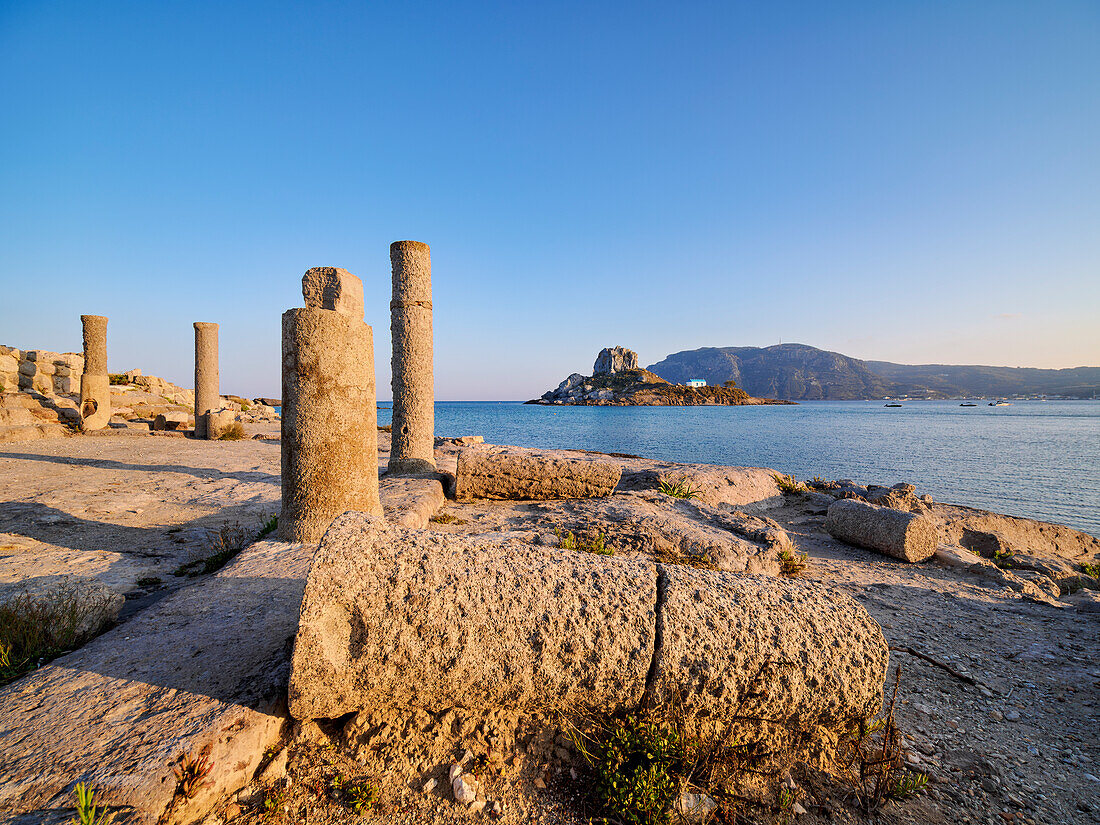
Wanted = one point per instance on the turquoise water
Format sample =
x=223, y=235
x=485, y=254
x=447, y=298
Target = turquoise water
x=1035, y=459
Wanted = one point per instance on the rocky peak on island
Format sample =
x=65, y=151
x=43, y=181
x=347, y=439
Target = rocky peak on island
x=614, y=359
x=618, y=381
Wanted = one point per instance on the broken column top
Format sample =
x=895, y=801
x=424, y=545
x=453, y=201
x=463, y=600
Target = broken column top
x=412, y=273
x=329, y=287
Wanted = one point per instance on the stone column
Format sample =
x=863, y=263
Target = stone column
x=207, y=396
x=95, y=385
x=329, y=423
x=413, y=431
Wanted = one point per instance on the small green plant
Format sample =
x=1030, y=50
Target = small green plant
x=117, y=379
x=787, y=484
x=1003, y=559
x=680, y=488
x=636, y=762
x=1091, y=570
x=35, y=629
x=447, y=518
x=818, y=483
x=870, y=760
x=191, y=771
x=270, y=526
x=234, y=432
x=598, y=545
x=149, y=581
x=359, y=796
x=791, y=564
x=274, y=801
x=86, y=809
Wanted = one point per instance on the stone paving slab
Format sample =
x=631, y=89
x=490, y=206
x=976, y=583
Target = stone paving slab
x=411, y=502
x=208, y=665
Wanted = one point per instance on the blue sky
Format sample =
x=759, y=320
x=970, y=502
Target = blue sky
x=914, y=182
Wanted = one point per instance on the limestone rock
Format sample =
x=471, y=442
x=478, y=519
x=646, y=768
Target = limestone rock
x=615, y=359
x=219, y=422
x=479, y=625
x=329, y=287
x=410, y=502
x=516, y=473
x=895, y=533
x=171, y=420
x=665, y=528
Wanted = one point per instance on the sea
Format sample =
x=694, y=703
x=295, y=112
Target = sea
x=1037, y=459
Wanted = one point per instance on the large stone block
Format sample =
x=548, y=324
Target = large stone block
x=332, y=288
x=516, y=473
x=906, y=536
x=395, y=615
x=8, y=364
x=66, y=385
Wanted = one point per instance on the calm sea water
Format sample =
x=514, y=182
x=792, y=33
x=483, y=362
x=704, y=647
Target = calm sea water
x=1036, y=459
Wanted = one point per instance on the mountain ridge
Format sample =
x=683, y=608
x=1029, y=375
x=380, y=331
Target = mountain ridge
x=799, y=372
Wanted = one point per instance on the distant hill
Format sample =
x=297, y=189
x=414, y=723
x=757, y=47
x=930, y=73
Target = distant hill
x=799, y=372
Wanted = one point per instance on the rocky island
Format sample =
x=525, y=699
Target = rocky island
x=617, y=380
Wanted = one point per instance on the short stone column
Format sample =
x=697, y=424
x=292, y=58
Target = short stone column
x=95, y=384
x=207, y=395
x=413, y=432
x=329, y=423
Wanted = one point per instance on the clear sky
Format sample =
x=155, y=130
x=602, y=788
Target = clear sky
x=903, y=181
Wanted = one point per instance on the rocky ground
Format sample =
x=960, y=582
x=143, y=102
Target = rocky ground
x=1010, y=736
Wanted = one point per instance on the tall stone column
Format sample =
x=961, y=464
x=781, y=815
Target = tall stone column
x=413, y=431
x=329, y=423
x=207, y=390
x=95, y=385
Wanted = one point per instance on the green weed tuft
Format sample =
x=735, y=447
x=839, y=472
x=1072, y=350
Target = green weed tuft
x=870, y=760
x=680, y=488
x=598, y=545
x=86, y=809
x=787, y=484
x=791, y=564
x=270, y=526
x=36, y=629
x=234, y=432
x=447, y=518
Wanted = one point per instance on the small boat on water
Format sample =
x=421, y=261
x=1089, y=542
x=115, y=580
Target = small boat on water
x=891, y=405
x=968, y=404
x=1001, y=403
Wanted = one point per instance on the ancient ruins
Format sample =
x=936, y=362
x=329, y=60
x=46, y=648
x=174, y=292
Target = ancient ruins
x=412, y=380
x=95, y=384
x=207, y=391
x=443, y=635
x=329, y=429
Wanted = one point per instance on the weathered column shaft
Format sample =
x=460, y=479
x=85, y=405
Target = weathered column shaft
x=95, y=385
x=207, y=389
x=413, y=432
x=329, y=426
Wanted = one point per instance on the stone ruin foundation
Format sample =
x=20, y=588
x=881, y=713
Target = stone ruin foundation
x=329, y=425
x=207, y=395
x=413, y=431
x=95, y=385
